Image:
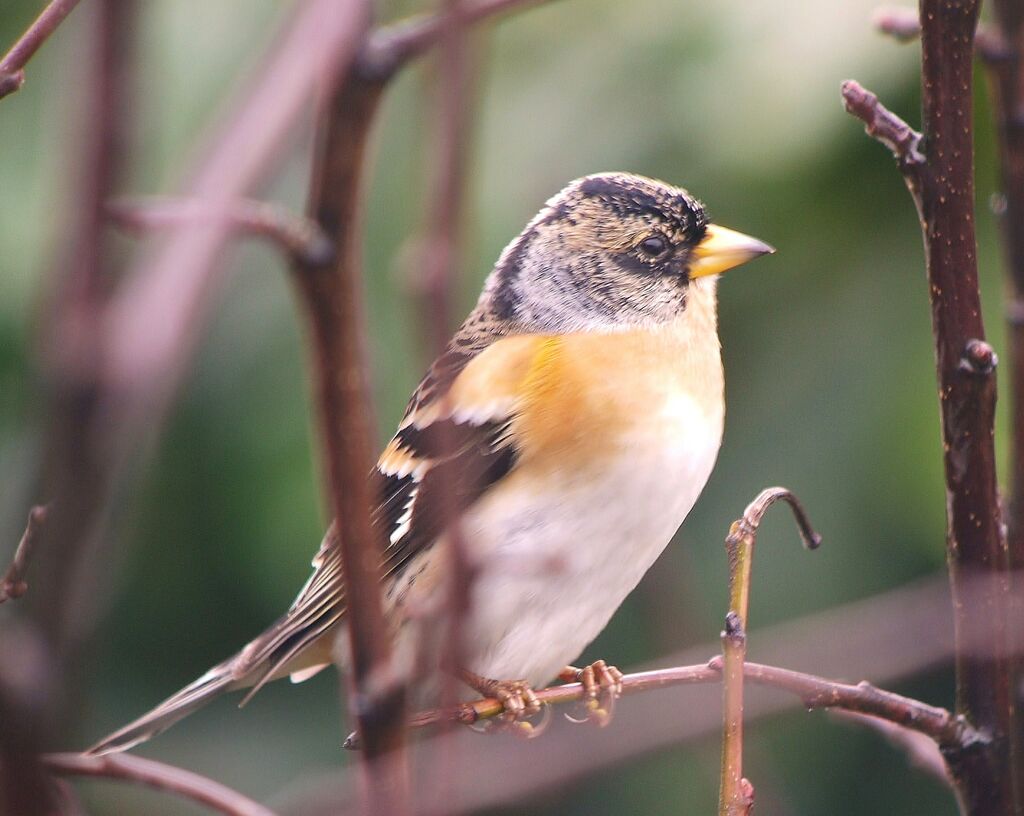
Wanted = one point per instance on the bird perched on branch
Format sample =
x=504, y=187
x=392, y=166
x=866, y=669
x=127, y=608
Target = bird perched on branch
x=571, y=424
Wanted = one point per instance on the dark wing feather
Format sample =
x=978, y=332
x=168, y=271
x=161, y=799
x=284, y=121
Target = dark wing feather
x=465, y=458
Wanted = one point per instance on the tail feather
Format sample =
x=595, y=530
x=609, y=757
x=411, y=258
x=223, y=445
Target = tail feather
x=191, y=698
x=295, y=644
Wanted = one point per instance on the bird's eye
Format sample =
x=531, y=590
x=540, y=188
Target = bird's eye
x=654, y=246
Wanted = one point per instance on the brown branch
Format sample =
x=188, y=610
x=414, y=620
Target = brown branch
x=947, y=730
x=12, y=64
x=331, y=294
x=903, y=24
x=188, y=785
x=61, y=610
x=882, y=124
x=938, y=170
x=298, y=237
x=391, y=47
x=735, y=792
x=146, y=358
x=1006, y=84
x=13, y=583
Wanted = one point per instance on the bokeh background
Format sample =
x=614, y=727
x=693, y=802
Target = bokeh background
x=827, y=347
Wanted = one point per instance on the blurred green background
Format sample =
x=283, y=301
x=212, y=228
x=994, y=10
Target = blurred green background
x=827, y=346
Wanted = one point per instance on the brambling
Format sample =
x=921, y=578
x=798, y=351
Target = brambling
x=573, y=419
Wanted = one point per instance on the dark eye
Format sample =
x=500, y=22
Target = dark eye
x=654, y=246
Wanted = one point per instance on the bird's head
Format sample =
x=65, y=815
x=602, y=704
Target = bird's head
x=613, y=251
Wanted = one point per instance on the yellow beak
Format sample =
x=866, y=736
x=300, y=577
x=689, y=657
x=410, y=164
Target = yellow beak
x=722, y=249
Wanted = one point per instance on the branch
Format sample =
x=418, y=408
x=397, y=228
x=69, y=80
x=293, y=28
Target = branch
x=946, y=730
x=736, y=794
x=939, y=173
x=331, y=294
x=146, y=358
x=391, y=47
x=12, y=65
x=882, y=124
x=1006, y=84
x=300, y=238
x=903, y=24
x=188, y=785
x=13, y=584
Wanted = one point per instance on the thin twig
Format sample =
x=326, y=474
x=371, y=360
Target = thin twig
x=12, y=65
x=882, y=124
x=814, y=692
x=13, y=583
x=183, y=783
x=735, y=792
x=298, y=237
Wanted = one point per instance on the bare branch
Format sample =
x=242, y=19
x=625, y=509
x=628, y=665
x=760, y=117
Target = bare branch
x=389, y=48
x=12, y=65
x=938, y=169
x=882, y=124
x=331, y=294
x=298, y=237
x=1006, y=83
x=903, y=24
x=736, y=792
x=13, y=584
x=147, y=357
x=814, y=693
x=186, y=784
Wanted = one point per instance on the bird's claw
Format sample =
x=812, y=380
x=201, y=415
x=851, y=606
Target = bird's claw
x=521, y=709
x=602, y=686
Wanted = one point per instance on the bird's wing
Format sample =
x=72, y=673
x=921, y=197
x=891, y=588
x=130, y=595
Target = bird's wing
x=455, y=442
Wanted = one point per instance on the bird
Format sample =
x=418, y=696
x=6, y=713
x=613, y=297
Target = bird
x=571, y=424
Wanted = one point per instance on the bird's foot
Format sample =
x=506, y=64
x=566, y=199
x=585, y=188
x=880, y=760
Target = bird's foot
x=602, y=686
x=520, y=703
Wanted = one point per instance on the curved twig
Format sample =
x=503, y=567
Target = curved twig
x=736, y=793
x=187, y=784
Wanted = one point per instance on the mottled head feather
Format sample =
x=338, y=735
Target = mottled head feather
x=610, y=251
x=588, y=261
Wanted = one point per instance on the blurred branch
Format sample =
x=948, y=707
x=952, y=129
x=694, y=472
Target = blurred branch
x=13, y=584
x=903, y=24
x=1006, y=84
x=298, y=237
x=188, y=785
x=331, y=294
x=939, y=173
x=67, y=549
x=736, y=794
x=390, y=47
x=921, y=751
x=434, y=280
x=12, y=64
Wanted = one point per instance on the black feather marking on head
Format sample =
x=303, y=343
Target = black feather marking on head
x=627, y=195
x=505, y=299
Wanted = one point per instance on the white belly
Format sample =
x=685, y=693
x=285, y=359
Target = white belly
x=558, y=562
